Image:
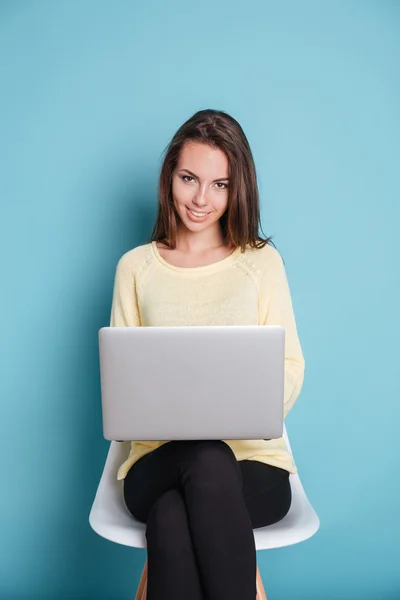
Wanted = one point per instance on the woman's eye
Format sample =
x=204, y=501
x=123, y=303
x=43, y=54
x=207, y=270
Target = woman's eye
x=224, y=184
x=185, y=177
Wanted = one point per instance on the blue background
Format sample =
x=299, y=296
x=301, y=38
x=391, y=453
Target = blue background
x=91, y=93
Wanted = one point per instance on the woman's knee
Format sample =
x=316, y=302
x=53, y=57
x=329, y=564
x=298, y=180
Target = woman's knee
x=213, y=461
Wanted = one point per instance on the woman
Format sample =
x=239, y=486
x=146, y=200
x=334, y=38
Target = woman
x=207, y=265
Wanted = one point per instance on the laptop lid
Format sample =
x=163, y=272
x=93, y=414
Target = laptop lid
x=192, y=382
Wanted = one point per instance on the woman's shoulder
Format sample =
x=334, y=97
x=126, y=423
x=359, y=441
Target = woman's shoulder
x=264, y=258
x=135, y=258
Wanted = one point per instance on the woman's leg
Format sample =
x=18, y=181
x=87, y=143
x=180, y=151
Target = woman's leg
x=152, y=495
x=219, y=522
x=209, y=478
x=266, y=491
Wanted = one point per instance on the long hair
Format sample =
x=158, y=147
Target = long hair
x=241, y=221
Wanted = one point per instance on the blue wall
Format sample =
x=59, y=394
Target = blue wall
x=91, y=94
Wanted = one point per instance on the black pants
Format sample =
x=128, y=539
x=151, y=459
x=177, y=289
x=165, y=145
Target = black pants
x=200, y=506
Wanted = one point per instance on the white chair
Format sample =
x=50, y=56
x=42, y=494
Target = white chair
x=110, y=518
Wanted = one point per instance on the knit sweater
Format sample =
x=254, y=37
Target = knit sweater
x=244, y=288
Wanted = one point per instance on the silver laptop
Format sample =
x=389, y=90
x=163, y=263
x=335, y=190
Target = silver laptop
x=192, y=382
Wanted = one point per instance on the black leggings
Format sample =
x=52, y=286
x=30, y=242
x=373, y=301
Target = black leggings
x=200, y=506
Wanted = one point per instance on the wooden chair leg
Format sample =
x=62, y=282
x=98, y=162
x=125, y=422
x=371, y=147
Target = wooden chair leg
x=142, y=588
x=261, y=595
x=141, y=592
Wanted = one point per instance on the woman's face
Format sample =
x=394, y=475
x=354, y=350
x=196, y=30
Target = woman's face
x=200, y=183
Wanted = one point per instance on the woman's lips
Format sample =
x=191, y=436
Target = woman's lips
x=194, y=218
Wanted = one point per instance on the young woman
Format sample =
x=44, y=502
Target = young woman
x=206, y=264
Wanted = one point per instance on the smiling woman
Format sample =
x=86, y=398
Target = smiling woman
x=206, y=264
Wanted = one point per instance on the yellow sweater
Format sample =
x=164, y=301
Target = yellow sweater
x=248, y=288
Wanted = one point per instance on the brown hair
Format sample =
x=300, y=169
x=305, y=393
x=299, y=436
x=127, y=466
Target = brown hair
x=241, y=221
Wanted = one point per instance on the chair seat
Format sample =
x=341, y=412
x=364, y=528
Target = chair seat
x=110, y=518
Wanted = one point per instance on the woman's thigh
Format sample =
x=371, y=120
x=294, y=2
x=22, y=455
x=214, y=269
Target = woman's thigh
x=267, y=492
x=162, y=469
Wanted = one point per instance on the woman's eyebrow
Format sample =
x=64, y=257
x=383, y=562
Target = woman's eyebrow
x=193, y=175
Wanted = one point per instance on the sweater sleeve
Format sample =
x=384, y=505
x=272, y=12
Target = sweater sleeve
x=125, y=308
x=276, y=309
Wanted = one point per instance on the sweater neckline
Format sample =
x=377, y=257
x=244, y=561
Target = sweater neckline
x=215, y=266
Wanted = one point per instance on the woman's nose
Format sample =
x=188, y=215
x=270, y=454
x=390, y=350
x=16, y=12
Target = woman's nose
x=200, y=198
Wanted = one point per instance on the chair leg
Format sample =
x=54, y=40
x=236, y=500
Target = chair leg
x=261, y=595
x=141, y=593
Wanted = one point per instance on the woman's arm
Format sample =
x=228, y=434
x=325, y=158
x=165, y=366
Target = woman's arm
x=124, y=309
x=276, y=309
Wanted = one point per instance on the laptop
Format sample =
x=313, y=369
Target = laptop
x=192, y=382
